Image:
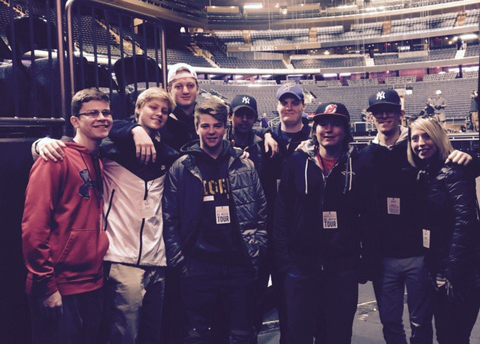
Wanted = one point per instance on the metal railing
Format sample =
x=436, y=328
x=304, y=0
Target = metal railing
x=53, y=52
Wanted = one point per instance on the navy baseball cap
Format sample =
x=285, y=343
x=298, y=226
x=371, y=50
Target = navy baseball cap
x=244, y=101
x=292, y=90
x=384, y=97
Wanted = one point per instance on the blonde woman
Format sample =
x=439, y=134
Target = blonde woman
x=451, y=230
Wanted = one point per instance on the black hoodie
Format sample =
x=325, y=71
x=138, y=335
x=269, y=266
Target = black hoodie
x=217, y=237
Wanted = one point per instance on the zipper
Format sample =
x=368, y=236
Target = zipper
x=237, y=222
x=142, y=227
x=109, y=208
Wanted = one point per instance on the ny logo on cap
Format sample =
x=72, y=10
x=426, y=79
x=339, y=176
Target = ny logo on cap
x=380, y=95
x=332, y=108
x=288, y=86
x=246, y=100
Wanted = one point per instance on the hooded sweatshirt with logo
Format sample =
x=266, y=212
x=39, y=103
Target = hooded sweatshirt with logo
x=63, y=240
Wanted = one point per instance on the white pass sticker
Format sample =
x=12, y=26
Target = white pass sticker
x=147, y=209
x=330, y=220
x=393, y=206
x=208, y=198
x=222, y=214
x=426, y=238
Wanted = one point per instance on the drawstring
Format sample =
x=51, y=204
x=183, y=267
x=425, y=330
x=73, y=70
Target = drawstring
x=348, y=175
x=306, y=179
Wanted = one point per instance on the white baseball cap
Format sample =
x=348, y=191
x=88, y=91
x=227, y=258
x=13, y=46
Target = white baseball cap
x=172, y=72
x=439, y=92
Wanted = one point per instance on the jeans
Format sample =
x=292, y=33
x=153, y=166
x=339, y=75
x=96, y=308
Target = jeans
x=135, y=303
x=321, y=306
x=204, y=285
x=79, y=322
x=389, y=287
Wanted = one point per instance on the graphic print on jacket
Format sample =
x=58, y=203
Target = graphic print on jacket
x=217, y=239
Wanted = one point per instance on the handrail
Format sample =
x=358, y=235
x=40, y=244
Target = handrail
x=30, y=120
x=61, y=61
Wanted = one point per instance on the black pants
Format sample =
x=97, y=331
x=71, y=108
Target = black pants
x=454, y=320
x=321, y=306
x=201, y=288
x=79, y=323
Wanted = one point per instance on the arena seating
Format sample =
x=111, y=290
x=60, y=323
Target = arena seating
x=280, y=37
x=400, y=80
x=472, y=50
x=329, y=62
x=440, y=76
x=394, y=58
x=456, y=92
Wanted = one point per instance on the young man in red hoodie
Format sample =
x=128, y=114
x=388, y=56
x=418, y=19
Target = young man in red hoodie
x=63, y=238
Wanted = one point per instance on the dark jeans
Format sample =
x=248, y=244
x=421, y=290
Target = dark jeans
x=78, y=324
x=321, y=305
x=396, y=275
x=203, y=285
x=454, y=320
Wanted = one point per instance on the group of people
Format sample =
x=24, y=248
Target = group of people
x=175, y=220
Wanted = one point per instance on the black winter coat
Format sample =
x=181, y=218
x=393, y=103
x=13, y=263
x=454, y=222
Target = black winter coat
x=450, y=213
x=182, y=205
x=385, y=174
x=300, y=239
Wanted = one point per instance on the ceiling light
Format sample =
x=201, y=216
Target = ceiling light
x=253, y=6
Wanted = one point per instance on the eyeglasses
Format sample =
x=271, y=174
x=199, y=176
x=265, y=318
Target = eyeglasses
x=382, y=114
x=96, y=113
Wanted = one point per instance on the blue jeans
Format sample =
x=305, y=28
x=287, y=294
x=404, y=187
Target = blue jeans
x=321, y=305
x=389, y=287
x=204, y=285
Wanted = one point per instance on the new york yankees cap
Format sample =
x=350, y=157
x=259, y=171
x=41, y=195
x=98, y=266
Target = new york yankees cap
x=331, y=110
x=384, y=97
x=244, y=101
x=291, y=89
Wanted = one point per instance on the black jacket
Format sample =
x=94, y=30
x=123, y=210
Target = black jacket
x=182, y=205
x=385, y=174
x=450, y=213
x=300, y=239
x=274, y=166
x=255, y=149
x=179, y=129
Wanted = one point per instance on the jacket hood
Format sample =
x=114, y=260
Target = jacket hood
x=193, y=148
x=403, y=137
x=81, y=149
x=304, y=131
x=253, y=139
x=308, y=147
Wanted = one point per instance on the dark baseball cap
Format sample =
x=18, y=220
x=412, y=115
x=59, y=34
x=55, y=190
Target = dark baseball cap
x=292, y=90
x=331, y=110
x=384, y=97
x=244, y=101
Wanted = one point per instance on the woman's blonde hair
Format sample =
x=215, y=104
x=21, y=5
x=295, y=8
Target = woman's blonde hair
x=436, y=133
x=153, y=93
